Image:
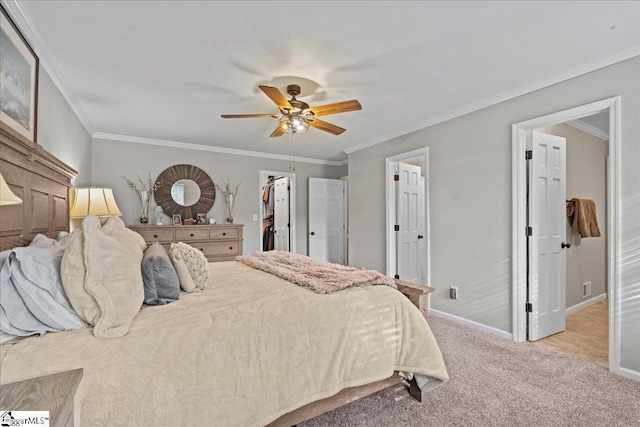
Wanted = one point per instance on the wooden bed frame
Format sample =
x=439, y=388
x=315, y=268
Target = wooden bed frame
x=42, y=181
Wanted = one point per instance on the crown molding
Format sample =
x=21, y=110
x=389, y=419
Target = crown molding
x=212, y=149
x=46, y=60
x=501, y=97
x=587, y=128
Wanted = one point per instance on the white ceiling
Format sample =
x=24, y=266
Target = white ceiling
x=166, y=70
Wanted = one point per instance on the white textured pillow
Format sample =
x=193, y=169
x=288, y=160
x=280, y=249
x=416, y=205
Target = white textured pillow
x=195, y=261
x=184, y=276
x=101, y=275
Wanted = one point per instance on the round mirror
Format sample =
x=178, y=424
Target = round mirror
x=185, y=192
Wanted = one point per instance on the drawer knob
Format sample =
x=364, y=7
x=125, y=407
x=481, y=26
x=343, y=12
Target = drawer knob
x=224, y=234
x=191, y=234
x=230, y=248
x=201, y=250
x=155, y=235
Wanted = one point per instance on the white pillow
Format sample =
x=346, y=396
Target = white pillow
x=101, y=275
x=195, y=261
x=184, y=276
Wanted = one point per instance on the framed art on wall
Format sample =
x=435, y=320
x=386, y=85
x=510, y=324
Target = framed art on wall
x=19, y=80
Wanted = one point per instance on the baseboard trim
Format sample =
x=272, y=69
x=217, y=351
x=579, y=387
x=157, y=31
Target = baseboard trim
x=585, y=304
x=628, y=373
x=471, y=323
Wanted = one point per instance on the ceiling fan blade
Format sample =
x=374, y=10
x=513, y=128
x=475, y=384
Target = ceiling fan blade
x=279, y=131
x=247, y=116
x=338, y=107
x=277, y=97
x=327, y=127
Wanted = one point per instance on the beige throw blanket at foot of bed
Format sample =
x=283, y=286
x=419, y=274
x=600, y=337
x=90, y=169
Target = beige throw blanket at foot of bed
x=244, y=351
x=320, y=277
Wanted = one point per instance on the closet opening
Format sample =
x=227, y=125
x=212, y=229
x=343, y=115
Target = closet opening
x=277, y=211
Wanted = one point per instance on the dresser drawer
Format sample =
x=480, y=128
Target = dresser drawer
x=156, y=235
x=191, y=234
x=215, y=249
x=217, y=242
x=225, y=233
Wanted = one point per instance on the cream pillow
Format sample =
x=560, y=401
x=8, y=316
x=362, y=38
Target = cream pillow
x=110, y=293
x=195, y=261
x=72, y=275
x=184, y=276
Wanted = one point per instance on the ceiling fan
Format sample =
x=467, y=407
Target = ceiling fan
x=296, y=116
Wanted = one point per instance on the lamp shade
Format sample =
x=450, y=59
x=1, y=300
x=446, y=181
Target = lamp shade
x=6, y=195
x=92, y=201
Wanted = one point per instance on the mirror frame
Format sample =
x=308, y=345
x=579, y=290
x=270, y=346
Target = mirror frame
x=175, y=173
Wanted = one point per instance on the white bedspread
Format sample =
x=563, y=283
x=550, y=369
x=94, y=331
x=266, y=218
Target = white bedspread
x=246, y=350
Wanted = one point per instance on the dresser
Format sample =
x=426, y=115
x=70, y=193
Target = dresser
x=218, y=242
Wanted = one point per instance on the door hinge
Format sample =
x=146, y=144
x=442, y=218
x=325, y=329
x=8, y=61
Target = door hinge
x=396, y=227
x=528, y=307
x=528, y=155
x=529, y=231
x=396, y=277
x=396, y=177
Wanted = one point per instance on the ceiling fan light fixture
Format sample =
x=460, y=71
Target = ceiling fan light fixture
x=294, y=124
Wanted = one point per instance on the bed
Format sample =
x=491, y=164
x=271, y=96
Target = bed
x=251, y=349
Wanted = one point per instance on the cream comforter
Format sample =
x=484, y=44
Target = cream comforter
x=246, y=350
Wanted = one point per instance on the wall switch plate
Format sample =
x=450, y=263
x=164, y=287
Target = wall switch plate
x=255, y=217
x=453, y=292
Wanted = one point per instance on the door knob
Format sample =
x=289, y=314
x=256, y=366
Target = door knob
x=565, y=245
x=313, y=233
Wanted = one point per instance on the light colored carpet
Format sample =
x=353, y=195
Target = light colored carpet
x=496, y=382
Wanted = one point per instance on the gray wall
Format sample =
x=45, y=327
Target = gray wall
x=470, y=199
x=586, y=179
x=114, y=159
x=60, y=132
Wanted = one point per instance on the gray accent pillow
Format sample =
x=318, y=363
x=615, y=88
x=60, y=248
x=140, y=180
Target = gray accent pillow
x=161, y=283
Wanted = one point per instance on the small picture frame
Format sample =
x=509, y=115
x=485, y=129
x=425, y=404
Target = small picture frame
x=176, y=219
x=201, y=218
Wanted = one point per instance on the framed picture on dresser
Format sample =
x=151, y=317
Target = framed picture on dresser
x=19, y=76
x=176, y=219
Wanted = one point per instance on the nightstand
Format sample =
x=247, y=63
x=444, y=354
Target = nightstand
x=53, y=393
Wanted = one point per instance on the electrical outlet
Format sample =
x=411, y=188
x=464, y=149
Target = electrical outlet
x=586, y=289
x=453, y=292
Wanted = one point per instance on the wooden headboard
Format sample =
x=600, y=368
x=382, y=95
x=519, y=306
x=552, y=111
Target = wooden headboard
x=41, y=181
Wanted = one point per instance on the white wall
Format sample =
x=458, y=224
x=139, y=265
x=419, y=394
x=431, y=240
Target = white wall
x=60, y=132
x=113, y=159
x=470, y=199
x=586, y=179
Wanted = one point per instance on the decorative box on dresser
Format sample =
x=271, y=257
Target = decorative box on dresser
x=218, y=242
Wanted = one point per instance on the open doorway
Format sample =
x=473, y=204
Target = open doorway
x=538, y=283
x=582, y=330
x=407, y=201
x=277, y=202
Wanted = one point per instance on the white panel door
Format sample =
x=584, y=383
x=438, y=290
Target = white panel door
x=281, y=214
x=547, y=217
x=410, y=219
x=326, y=219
